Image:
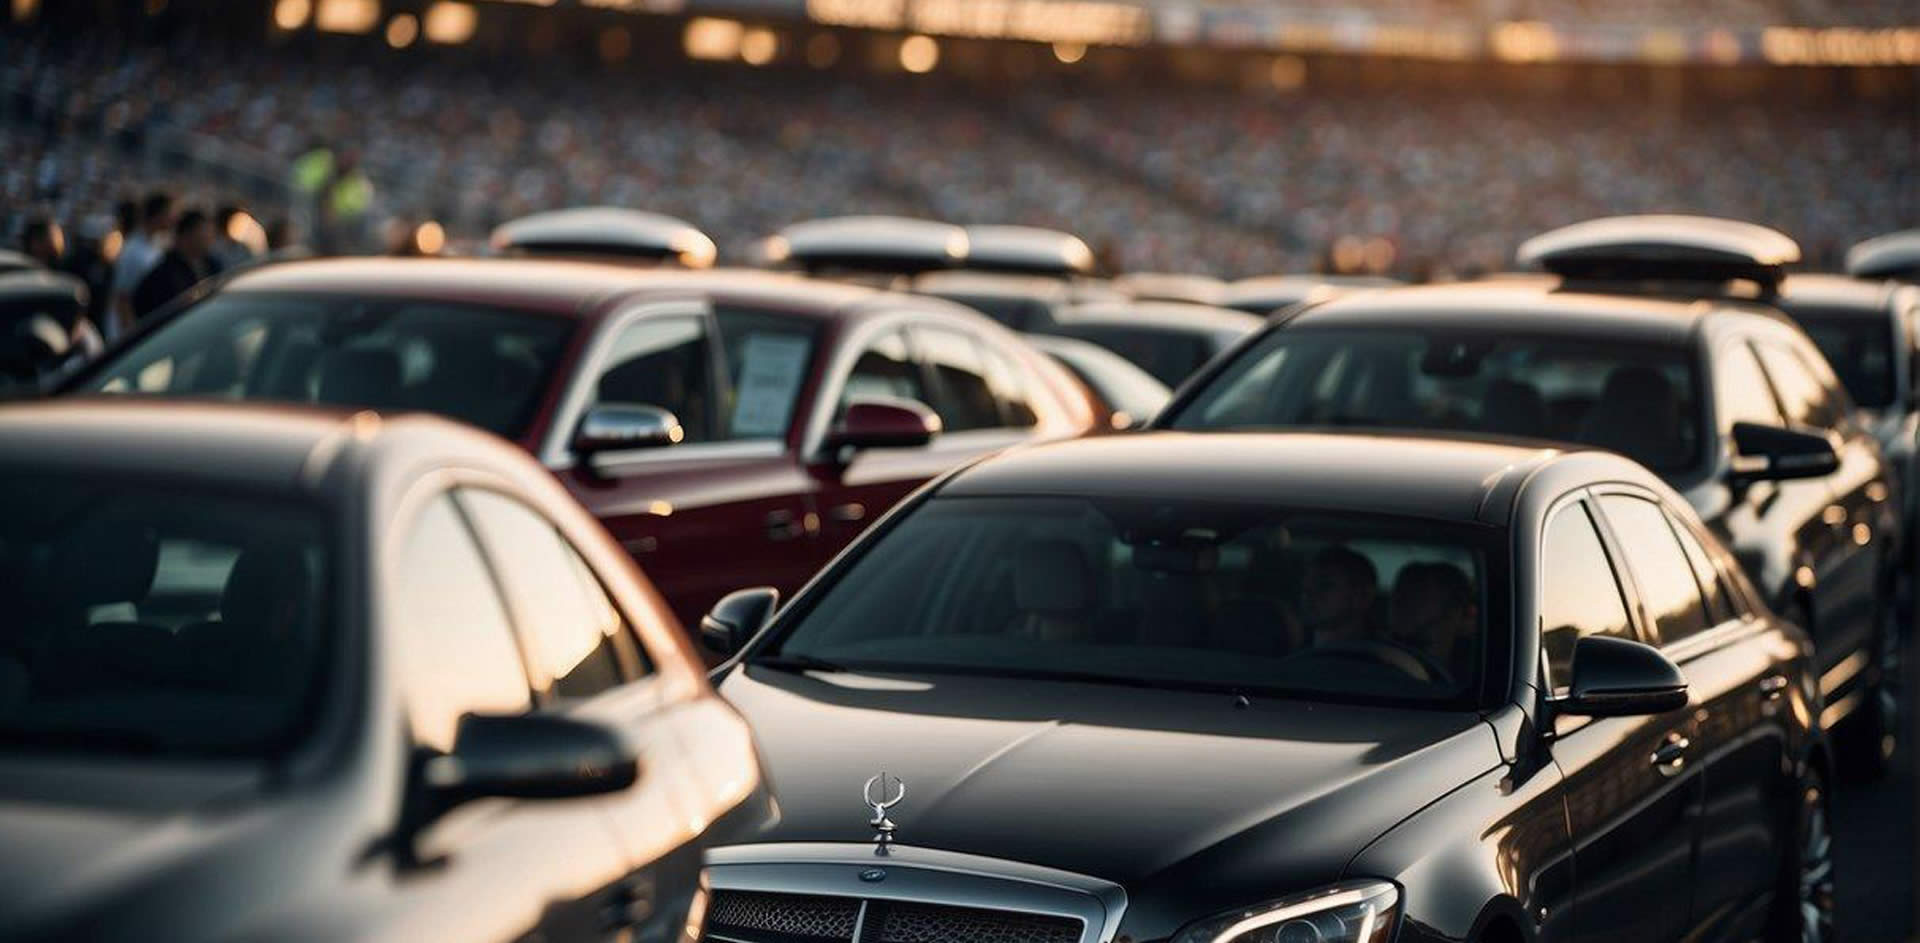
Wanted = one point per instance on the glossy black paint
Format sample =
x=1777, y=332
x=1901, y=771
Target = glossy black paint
x=358, y=831
x=1622, y=678
x=736, y=618
x=1511, y=818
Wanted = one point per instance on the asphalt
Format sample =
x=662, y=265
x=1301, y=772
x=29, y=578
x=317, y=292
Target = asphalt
x=1876, y=889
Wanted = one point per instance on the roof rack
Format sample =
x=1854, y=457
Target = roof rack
x=1663, y=248
x=606, y=231
x=1895, y=255
x=1027, y=250
x=895, y=245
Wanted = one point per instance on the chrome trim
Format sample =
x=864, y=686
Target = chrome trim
x=922, y=875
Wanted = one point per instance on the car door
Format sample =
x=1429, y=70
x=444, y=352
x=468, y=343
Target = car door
x=1630, y=793
x=728, y=506
x=467, y=874
x=583, y=659
x=1732, y=665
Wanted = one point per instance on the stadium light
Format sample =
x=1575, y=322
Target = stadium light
x=346, y=16
x=758, y=46
x=402, y=30
x=919, y=54
x=24, y=10
x=1287, y=73
x=1069, y=53
x=450, y=23
x=290, y=15
x=711, y=38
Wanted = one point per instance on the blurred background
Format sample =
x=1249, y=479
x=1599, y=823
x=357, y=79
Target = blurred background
x=1421, y=138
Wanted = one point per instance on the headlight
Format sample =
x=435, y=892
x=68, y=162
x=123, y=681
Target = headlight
x=1353, y=912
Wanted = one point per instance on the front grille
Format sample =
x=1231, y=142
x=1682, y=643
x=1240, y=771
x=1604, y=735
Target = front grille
x=755, y=917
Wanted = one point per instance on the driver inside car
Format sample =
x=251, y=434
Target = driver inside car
x=1433, y=613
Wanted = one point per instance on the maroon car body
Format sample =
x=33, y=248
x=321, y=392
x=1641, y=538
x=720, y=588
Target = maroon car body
x=762, y=498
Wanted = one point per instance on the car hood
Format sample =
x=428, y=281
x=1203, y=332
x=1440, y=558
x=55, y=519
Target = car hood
x=1171, y=794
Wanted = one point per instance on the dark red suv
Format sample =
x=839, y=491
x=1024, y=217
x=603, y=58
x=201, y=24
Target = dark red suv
x=728, y=427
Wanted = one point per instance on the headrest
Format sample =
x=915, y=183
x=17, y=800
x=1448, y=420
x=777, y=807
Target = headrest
x=262, y=580
x=360, y=378
x=1052, y=576
x=1511, y=407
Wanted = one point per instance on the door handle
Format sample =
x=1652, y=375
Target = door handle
x=1671, y=756
x=1773, y=687
x=783, y=525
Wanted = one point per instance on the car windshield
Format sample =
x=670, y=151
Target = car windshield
x=1639, y=400
x=155, y=620
x=1860, y=349
x=481, y=365
x=1178, y=594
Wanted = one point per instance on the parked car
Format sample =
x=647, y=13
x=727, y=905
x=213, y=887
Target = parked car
x=606, y=233
x=1271, y=294
x=1127, y=395
x=1242, y=688
x=1895, y=255
x=302, y=674
x=1728, y=400
x=1169, y=340
x=39, y=313
x=724, y=425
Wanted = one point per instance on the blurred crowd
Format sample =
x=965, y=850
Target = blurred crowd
x=1194, y=179
x=1697, y=14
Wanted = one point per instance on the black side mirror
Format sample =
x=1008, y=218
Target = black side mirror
x=612, y=427
x=1776, y=453
x=736, y=618
x=529, y=756
x=1614, y=677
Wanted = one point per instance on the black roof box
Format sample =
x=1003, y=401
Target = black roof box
x=884, y=244
x=606, y=231
x=1027, y=250
x=1663, y=247
x=1894, y=255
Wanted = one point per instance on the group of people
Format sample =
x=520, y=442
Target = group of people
x=1197, y=178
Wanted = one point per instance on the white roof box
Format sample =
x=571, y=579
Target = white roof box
x=1027, y=250
x=1689, y=248
x=1894, y=255
x=888, y=244
x=606, y=231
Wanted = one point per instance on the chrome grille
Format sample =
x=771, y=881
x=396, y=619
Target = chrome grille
x=759, y=917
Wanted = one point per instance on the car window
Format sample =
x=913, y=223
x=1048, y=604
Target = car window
x=662, y=362
x=576, y=643
x=1713, y=588
x=1010, y=388
x=1860, y=350
x=1170, y=356
x=1579, y=594
x=767, y=356
x=885, y=369
x=1742, y=393
x=1660, y=568
x=966, y=400
x=457, y=652
x=1802, y=397
x=481, y=365
x=1637, y=399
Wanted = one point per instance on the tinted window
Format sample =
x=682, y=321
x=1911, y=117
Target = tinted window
x=1741, y=393
x=1637, y=400
x=1009, y=386
x=485, y=366
x=662, y=362
x=1170, y=356
x=966, y=399
x=456, y=648
x=885, y=369
x=1712, y=588
x=1660, y=567
x=1579, y=595
x=572, y=633
x=1125, y=387
x=1805, y=401
x=1178, y=593
x=1860, y=350
x=145, y=618
x=767, y=360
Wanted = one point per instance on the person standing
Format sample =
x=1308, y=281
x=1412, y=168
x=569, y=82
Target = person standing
x=44, y=241
x=138, y=256
x=189, y=262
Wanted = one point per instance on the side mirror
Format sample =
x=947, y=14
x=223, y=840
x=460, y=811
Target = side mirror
x=611, y=427
x=1775, y=453
x=884, y=423
x=736, y=618
x=1614, y=677
x=530, y=756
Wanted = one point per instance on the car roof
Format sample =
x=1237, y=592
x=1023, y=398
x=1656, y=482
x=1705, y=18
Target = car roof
x=1534, y=306
x=1396, y=474
x=1837, y=293
x=1160, y=314
x=554, y=286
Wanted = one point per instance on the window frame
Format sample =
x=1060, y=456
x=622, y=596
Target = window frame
x=1585, y=499
x=1649, y=622
x=937, y=385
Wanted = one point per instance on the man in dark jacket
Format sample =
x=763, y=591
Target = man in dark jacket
x=184, y=266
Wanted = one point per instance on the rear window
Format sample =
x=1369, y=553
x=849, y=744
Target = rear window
x=1640, y=400
x=1860, y=350
x=481, y=365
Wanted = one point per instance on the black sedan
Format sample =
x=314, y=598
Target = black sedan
x=290, y=674
x=1252, y=688
x=1727, y=400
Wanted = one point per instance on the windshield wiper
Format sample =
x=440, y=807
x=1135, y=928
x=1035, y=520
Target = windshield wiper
x=798, y=663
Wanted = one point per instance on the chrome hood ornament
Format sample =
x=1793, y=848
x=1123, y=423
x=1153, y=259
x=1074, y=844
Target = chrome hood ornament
x=891, y=789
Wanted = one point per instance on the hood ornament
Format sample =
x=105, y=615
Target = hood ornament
x=891, y=789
